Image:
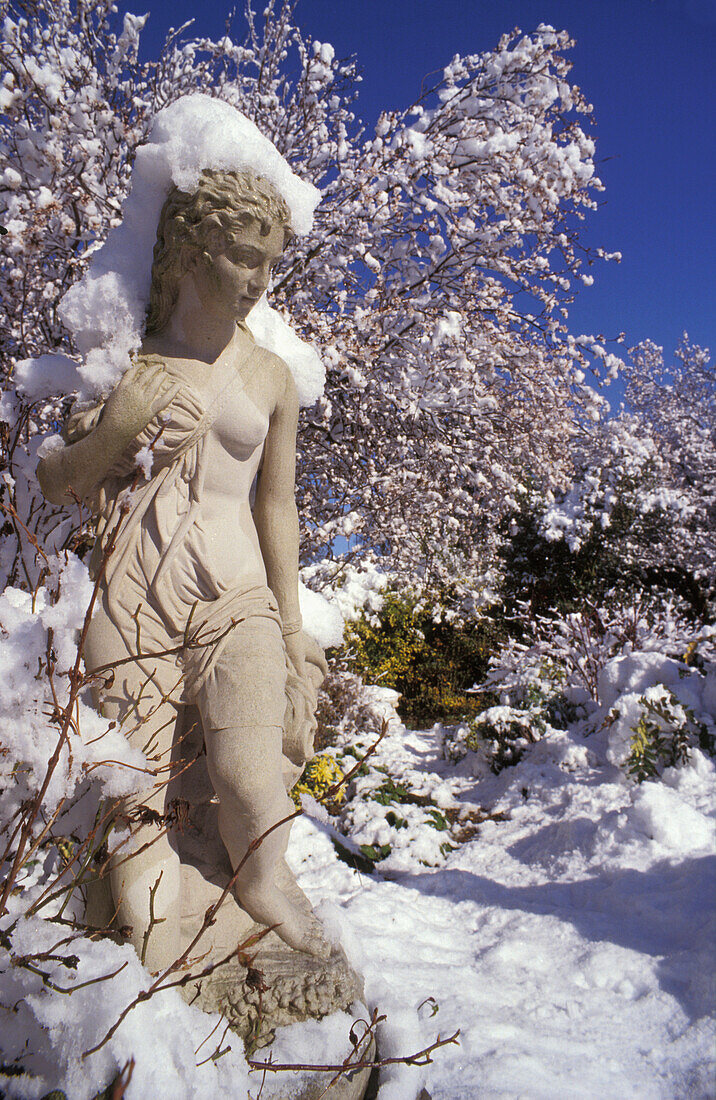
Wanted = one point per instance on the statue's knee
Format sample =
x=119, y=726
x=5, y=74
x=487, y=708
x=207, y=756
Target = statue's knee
x=244, y=762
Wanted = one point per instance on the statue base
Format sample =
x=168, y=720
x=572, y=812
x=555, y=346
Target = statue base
x=279, y=986
x=273, y=986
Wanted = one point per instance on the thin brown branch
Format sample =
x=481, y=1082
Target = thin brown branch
x=420, y=1058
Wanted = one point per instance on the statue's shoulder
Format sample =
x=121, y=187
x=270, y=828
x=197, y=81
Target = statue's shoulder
x=271, y=360
x=277, y=368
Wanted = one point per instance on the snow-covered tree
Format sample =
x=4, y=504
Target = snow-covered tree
x=640, y=512
x=677, y=405
x=436, y=282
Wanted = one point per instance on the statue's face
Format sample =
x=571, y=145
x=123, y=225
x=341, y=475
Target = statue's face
x=239, y=271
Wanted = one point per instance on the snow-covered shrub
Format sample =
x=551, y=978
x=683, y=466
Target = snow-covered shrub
x=530, y=687
x=355, y=590
x=676, y=404
x=565, y=654
x=610, y=466
x=638, y=669
x=396, y=819
x=655, y=711
x=61, y=992
x=665, y=735
x=498, y=735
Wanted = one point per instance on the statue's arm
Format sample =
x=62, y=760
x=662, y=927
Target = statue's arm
x=140, y=395
x=275, y=513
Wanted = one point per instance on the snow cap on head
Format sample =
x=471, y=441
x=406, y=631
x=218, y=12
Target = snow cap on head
x=105, y=310
x=198, y=132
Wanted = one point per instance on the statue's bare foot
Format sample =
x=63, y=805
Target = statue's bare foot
x=299, y=930
x=316, y=942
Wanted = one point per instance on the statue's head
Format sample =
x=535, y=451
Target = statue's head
x=194, y=229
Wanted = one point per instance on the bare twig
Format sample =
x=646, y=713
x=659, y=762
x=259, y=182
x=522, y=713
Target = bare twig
x=121, y=1083
x=154, y=920
x=419, y=1058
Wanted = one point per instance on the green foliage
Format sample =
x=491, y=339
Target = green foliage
x=504, y=738
x=438, y=821
x=432, y=662
x=499, y=735
x=664, y=736
x=554, y=579
x=354, y=859
x=390, y=791
x=375, y=852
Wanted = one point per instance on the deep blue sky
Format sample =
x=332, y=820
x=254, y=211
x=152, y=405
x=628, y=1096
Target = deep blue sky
x=645, y=65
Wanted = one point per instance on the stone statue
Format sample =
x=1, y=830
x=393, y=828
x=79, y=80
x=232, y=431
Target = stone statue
x=196, y=641
x=198, y=611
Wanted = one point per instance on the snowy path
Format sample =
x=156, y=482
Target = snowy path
x=572, y=944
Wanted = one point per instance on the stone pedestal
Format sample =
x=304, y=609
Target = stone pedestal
x=280, y=986
x=273, y=986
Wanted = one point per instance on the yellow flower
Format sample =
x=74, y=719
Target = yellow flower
x=319, y=775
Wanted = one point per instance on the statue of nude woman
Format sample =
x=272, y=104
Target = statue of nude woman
x=198, y=602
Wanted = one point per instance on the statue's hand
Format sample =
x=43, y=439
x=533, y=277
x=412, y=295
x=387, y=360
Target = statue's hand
x=296, y=650
x=140, y=395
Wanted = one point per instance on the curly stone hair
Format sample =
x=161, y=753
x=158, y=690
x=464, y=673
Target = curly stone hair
x=224, y=201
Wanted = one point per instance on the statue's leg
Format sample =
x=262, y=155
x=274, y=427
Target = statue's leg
x=144, y=871
x=242, y=704
x=245, y=769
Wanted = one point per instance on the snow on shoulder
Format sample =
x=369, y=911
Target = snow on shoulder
x=105, y=310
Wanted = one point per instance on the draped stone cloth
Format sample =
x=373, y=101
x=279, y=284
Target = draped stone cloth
x=166, y=590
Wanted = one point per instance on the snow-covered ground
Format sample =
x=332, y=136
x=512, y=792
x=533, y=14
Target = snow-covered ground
x=571, y=939
x=559, y=914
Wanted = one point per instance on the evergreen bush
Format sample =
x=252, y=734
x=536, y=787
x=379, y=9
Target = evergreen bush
x=665, y=735
x=433, y=660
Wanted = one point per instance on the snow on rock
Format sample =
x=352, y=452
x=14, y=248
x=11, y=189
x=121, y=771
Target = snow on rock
x=105, y=310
